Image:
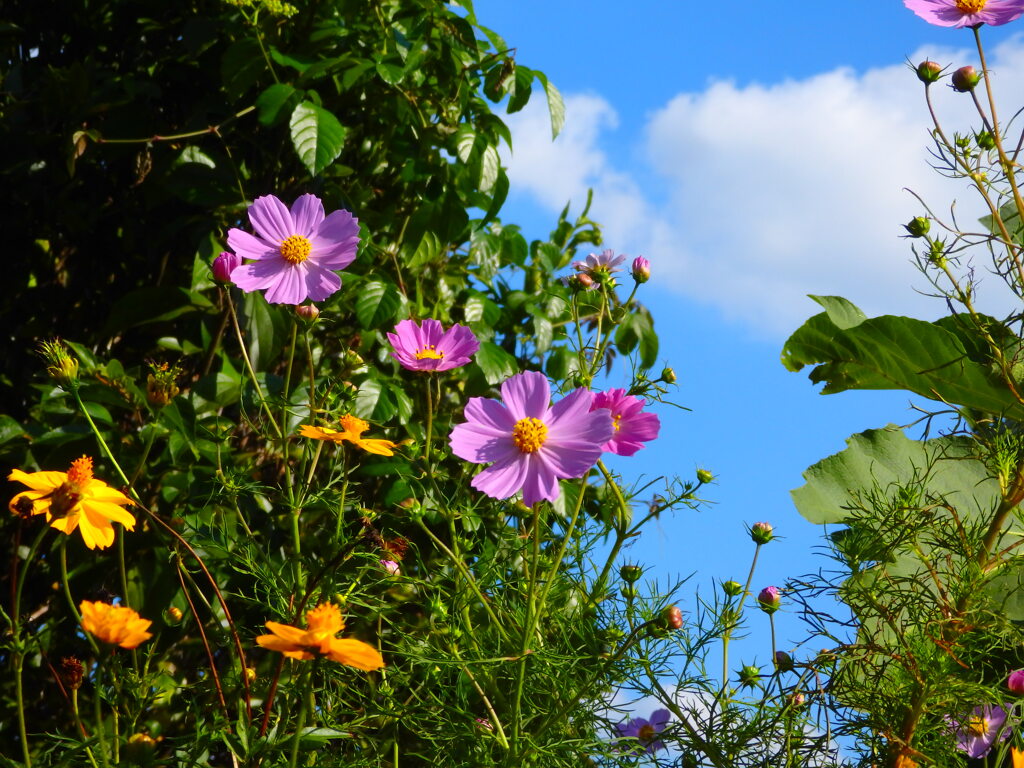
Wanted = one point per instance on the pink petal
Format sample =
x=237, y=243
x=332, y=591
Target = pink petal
x=307, y=213
x=572, y=459
x=289, y=288
x=258, y=276
x=540, y=482
x=271, y=219
x=480, y=444
x=320, y=283
x=249, y=247
x=527, y=395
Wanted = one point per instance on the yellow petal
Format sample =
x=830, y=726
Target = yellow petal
x=38, y=507
x=39, y=481
x=96, y=530
x=293, y=635
x=100, y=491
x=378, y=447
x=109, y=512
x=355, y=653
x=66, y=524
x=317, y=433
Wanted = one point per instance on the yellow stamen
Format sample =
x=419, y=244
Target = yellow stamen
x=80, y=473
x=429, y=352
x=295, y=249
x=615, y=421
x=353, y=424
x=977, y=726
x=970, y=6
x=325, y=618
x=529, y=434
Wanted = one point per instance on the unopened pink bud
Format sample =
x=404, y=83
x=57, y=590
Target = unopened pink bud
x=391, y=567
x=965, y=79
x=309, y=312
x=224, y=265
x=1016, y=682
x=761, y=533
x=769, y=599
x=641, y=270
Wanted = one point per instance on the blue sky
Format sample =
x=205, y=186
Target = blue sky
x=754, y=155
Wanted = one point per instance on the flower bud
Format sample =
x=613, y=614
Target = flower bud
x=965, y=79
x=141, y=748
x=1015, y=682
x=584, y=282
x=71, y=672
x=641, y=269
x=391, y=567
x=224, y=265
x=161, y=384
x=672, y=617
x=628, y=591
x=704, y=476
x=668, y=375
x=732, y=588
x=250, y=674
x=172, y=615
x=761, y=533
x=60, y=364
x=307, y=312
x=918, y=226
x=750, y=676
x=631, y=573
x=928, y=72
x=797, y=700
x=937, y=253
x=769, y=600
x=985, y=140
x=783, y=661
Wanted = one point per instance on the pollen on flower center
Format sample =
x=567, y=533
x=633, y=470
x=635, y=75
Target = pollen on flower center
x=646, y=732
x=353, y=424
x=970, y=6
x=529, y=434
x=325, y=618
x=80, y=473
x=977, y=726
x=295, y=249
x=429, y=352
x=616, y=421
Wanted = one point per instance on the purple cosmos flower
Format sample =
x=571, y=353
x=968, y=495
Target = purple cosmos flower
x=632, y=428
x=224, y=265
x=532, y=443
x=966, y=13
x=296, y=253
x=599, y=266
x=645, y=731
x=429, y=347
x=976, y=734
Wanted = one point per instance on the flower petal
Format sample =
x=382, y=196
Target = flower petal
x=354, y=653
x=307, y=213
x=320, y=283
x=288, y=288
x=271, y=219
x=527, y=395
x=540, y=483
x=249, y=247
x=502, y=479
x=38, y=481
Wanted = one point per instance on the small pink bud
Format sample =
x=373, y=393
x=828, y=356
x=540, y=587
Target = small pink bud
x=224, y=264
x=965, y=79
x=783, y=661
x=769, y=600
x=641, y=270
x=761, y=533
x=586, y=282
x=308, y=312
x=672, y=617
x=928, y=72
x=391, y=567
x=1016, y=682
x=797, y=700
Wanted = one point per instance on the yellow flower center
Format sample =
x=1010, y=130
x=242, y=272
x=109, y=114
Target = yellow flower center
x=616, y=418
x=429, y=352
x=977, y=726
x=295, y=249
x=325, y=619
x=970, y=6
x=529, y=434
x=80, y=473
x=646, y=732
x=354, y=424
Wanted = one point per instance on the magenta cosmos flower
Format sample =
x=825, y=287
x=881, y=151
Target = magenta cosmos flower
x=646, y=732
x=427, y=346
x=532, y=443
x=295, y=253
x=632, y=427
x=966, y=13
x=599, y=266
x=977, y=733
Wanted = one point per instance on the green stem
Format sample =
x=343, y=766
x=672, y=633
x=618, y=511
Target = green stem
x=214, y=129
x=98, y=713
x=248, y=365
x=81, y=727
x=430, y=423
x=66, y=584
x=293, y=759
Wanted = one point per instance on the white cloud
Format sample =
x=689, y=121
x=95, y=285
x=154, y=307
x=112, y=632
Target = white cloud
x=771, y=191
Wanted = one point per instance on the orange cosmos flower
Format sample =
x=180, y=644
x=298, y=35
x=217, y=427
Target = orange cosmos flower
x=73, y=500
x=352, y=430
x=1018, y=757
x=322, y=624
x=114, y=624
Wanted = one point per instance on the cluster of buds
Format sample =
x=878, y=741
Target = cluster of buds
x=161, y=386
x=669, y=620
x=60, y=364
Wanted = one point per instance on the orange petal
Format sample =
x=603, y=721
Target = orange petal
x=96, y=528
x=39, y=481
x=355, y=653
x=378, y=447
x=97, y=490
x=293, y=635
x=38, y=507
x=109, y=511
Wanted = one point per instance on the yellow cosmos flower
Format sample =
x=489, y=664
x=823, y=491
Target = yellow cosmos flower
x=71, y=500
x=352, y=430
x=322, y=624
x=114, y=624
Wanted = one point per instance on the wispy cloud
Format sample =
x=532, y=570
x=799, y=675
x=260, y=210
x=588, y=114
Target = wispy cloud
x=765, y=193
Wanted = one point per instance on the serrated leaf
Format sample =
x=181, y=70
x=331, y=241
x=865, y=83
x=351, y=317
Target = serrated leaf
x=317, y=136
x=489, y=165
x=377, y=303
x=375, y=402
x=273, y=99
x=556, y=105
x=522, y=86
x=465, y=139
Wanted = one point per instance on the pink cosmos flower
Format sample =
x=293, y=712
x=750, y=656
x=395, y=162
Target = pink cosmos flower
x=532, y=443
x=632, y=428
x=599, y=266
x=427, y=346
x=295, y=253
x=1015, y=682
x=977, y=733
x=966, y=13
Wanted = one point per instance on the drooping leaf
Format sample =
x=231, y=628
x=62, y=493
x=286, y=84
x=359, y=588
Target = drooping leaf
x=496, y=364
x=377, y=304
x=316, y=135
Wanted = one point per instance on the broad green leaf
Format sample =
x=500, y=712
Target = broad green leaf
x=522, y=86
x=882, y=458
x=377, y=303
x=265, y=339
x=316, y=135
x=844, y=314
x=496, y=364
x=10, y=429
x=893, y=352
x=556, y=105
x=375, y=402
x=465, y=141
x=489, y=166
x=273, y=99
